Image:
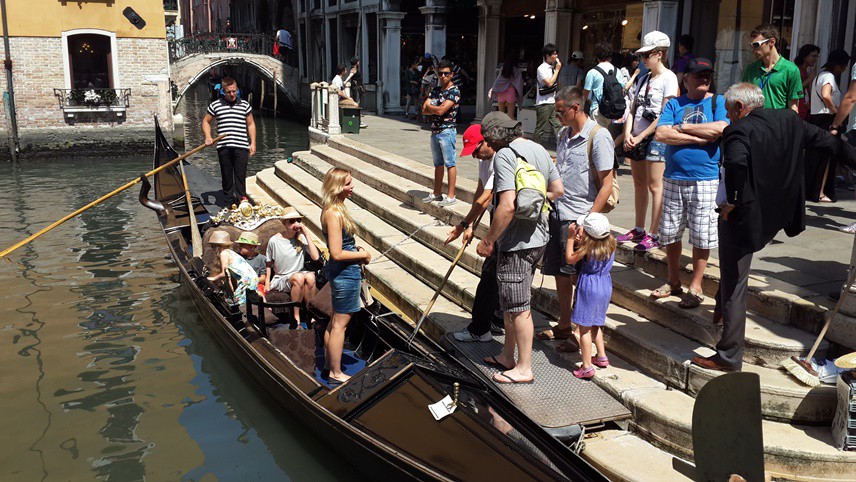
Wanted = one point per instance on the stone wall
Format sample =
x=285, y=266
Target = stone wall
x=38, y=68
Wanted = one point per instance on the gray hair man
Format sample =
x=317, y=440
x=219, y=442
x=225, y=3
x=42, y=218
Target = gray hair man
x=582, y=143
x=691, y=126
x=763, y=194
x=520, y=242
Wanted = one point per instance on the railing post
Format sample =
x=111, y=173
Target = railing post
x=333, y=127
x=324, y=109
x=313, y=121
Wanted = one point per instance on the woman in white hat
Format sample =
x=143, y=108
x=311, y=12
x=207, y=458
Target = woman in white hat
x=652, y=92
x=226, y=259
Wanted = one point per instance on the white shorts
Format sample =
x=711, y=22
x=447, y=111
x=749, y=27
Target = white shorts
x=693, y=203
x=282, y=282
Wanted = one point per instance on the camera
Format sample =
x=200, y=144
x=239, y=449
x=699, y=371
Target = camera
x=649, y=115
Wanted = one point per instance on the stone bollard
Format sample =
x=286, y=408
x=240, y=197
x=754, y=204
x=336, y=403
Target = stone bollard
x=379, y=97
x=313, y=89
x=323, y=108
x=333, y=127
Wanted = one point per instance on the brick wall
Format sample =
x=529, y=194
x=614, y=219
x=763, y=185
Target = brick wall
x=38, y=68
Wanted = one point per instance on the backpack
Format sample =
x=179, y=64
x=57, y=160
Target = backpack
x=531, y=187
x=611, y=103
x=612, y=201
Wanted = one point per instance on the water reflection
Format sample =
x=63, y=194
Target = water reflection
x=105, y=369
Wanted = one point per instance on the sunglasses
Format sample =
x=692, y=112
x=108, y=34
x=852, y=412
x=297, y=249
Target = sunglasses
x=759, y=43
x=291, y=221
x=645, y=55
x=444, y=74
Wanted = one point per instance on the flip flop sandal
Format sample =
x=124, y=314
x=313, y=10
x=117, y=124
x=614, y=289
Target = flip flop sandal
x=555, y=334
x=691, y=299
x=507, y=380
x=494, y=363
x=666, y=290
x=568, y=346
x=545, y=335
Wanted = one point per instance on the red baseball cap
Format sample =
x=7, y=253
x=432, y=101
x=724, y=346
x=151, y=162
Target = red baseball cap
x=472, y=138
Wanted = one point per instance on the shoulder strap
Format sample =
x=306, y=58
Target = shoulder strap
x=592, y=168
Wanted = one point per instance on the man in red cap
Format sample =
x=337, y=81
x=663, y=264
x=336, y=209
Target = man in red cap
x=486, y=302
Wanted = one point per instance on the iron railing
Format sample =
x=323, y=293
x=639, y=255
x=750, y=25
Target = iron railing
x=209, y=43
x=92, y=98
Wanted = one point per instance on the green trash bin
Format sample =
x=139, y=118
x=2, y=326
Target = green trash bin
x=349, y=119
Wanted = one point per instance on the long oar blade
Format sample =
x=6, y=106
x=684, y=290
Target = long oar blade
x=103, y=198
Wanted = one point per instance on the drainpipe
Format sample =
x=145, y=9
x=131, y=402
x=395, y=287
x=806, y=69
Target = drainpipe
x=13, y=149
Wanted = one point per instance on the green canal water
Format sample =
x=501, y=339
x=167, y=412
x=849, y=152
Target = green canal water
x=106, y=372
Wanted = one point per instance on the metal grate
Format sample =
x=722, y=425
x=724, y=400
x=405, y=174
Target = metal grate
x=556, y=398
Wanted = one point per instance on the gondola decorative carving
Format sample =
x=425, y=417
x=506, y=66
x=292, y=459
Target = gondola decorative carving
x=247, y=217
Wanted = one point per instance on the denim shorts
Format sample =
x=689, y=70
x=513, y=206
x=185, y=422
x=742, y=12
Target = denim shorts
x=443, y=147
x=345, y=290
x=656, y=152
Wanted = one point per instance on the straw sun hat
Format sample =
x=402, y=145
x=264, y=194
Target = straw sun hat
x=248, y=237
x=221, y=238
x=847, y=362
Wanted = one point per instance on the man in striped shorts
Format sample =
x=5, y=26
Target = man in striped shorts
x=691, y=126
x=235, y=119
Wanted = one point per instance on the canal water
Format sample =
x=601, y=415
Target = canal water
x=106, y=372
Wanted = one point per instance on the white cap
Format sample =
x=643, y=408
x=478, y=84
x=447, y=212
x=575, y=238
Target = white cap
x=595, y=224
x=577, y=55
x=653, y=40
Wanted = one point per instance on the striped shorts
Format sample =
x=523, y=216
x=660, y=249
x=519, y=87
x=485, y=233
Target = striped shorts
x=514, y=273
x=690, y=203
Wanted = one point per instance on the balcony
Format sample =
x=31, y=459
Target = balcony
x=170, y=6
x=73, y=101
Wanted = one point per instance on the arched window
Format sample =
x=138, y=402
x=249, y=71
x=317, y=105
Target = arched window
x=90, y=59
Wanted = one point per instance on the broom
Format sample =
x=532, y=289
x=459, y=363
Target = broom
x=801, y=368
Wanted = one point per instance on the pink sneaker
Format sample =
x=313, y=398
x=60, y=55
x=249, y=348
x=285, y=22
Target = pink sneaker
x=634, y=235
x=600, y=362
x=584, y=374
x=647, y=244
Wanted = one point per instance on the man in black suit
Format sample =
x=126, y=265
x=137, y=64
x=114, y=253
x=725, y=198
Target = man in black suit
x=764, y=192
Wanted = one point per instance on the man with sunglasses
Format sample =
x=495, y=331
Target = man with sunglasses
x=582, y=143
x=442, y=104
x=778, y=77
x=486, y=302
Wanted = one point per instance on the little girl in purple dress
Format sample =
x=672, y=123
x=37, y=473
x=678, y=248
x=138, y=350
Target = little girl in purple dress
x=596, y=251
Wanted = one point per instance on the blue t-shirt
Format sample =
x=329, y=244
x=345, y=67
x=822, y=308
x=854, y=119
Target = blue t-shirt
x=692, y=162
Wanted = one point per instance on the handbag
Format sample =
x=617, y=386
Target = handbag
x=615, y=194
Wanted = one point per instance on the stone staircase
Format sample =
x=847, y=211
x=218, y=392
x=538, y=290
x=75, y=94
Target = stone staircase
x=650, y=342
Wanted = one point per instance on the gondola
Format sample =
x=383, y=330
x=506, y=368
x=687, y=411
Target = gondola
x=379, y=420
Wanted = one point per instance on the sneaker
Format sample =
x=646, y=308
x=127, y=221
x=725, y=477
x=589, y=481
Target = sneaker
x=431, y=198
x=447, y=201
x=634, y=235
x=647, y=244
x=363, y=125
x=465, y=335
x=850, y=228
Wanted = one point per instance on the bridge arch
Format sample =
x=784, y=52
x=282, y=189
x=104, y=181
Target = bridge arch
x=188, y=70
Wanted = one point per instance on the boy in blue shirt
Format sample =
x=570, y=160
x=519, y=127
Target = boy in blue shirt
x=691, y=126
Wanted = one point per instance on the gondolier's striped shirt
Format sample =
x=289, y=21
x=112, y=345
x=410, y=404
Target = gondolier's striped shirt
x=231, y=120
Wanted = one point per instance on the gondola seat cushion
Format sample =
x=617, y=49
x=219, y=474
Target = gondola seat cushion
x=298, y=345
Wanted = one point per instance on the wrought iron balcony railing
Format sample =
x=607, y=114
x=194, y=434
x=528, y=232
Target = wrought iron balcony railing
x=92, y=99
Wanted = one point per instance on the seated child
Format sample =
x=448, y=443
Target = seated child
x=247, y=244
x=226, y=259
x=285, y=253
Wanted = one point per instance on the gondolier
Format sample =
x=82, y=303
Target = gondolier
x=234, y=118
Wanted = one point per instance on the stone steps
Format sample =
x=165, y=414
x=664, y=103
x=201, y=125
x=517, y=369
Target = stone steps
x=768, y=343
x=412, y=298
x=768, y=297
x=661, y=415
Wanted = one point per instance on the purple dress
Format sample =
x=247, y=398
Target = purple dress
x=594, y=290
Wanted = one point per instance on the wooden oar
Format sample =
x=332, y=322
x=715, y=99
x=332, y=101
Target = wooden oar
x=195, y=237
x=443, y=283
x=103, y=198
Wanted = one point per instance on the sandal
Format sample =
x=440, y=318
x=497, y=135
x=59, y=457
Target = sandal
x=584, y=374
x=667, y=290
x=825, y=199
x=568, y=346
x=602, y=362
x=691, y=299
x=555, y=334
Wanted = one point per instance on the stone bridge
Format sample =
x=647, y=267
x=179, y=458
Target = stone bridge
x=189, y=69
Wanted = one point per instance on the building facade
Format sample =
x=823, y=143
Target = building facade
x=87, y=74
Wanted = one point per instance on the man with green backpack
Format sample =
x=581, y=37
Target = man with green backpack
x=525, y=178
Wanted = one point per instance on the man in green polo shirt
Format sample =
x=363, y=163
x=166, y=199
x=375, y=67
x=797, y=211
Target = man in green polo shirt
x=778, y=77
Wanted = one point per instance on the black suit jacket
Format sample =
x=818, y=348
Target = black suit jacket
x=764, y=172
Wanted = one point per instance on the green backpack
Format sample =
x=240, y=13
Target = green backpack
x=531, y=187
